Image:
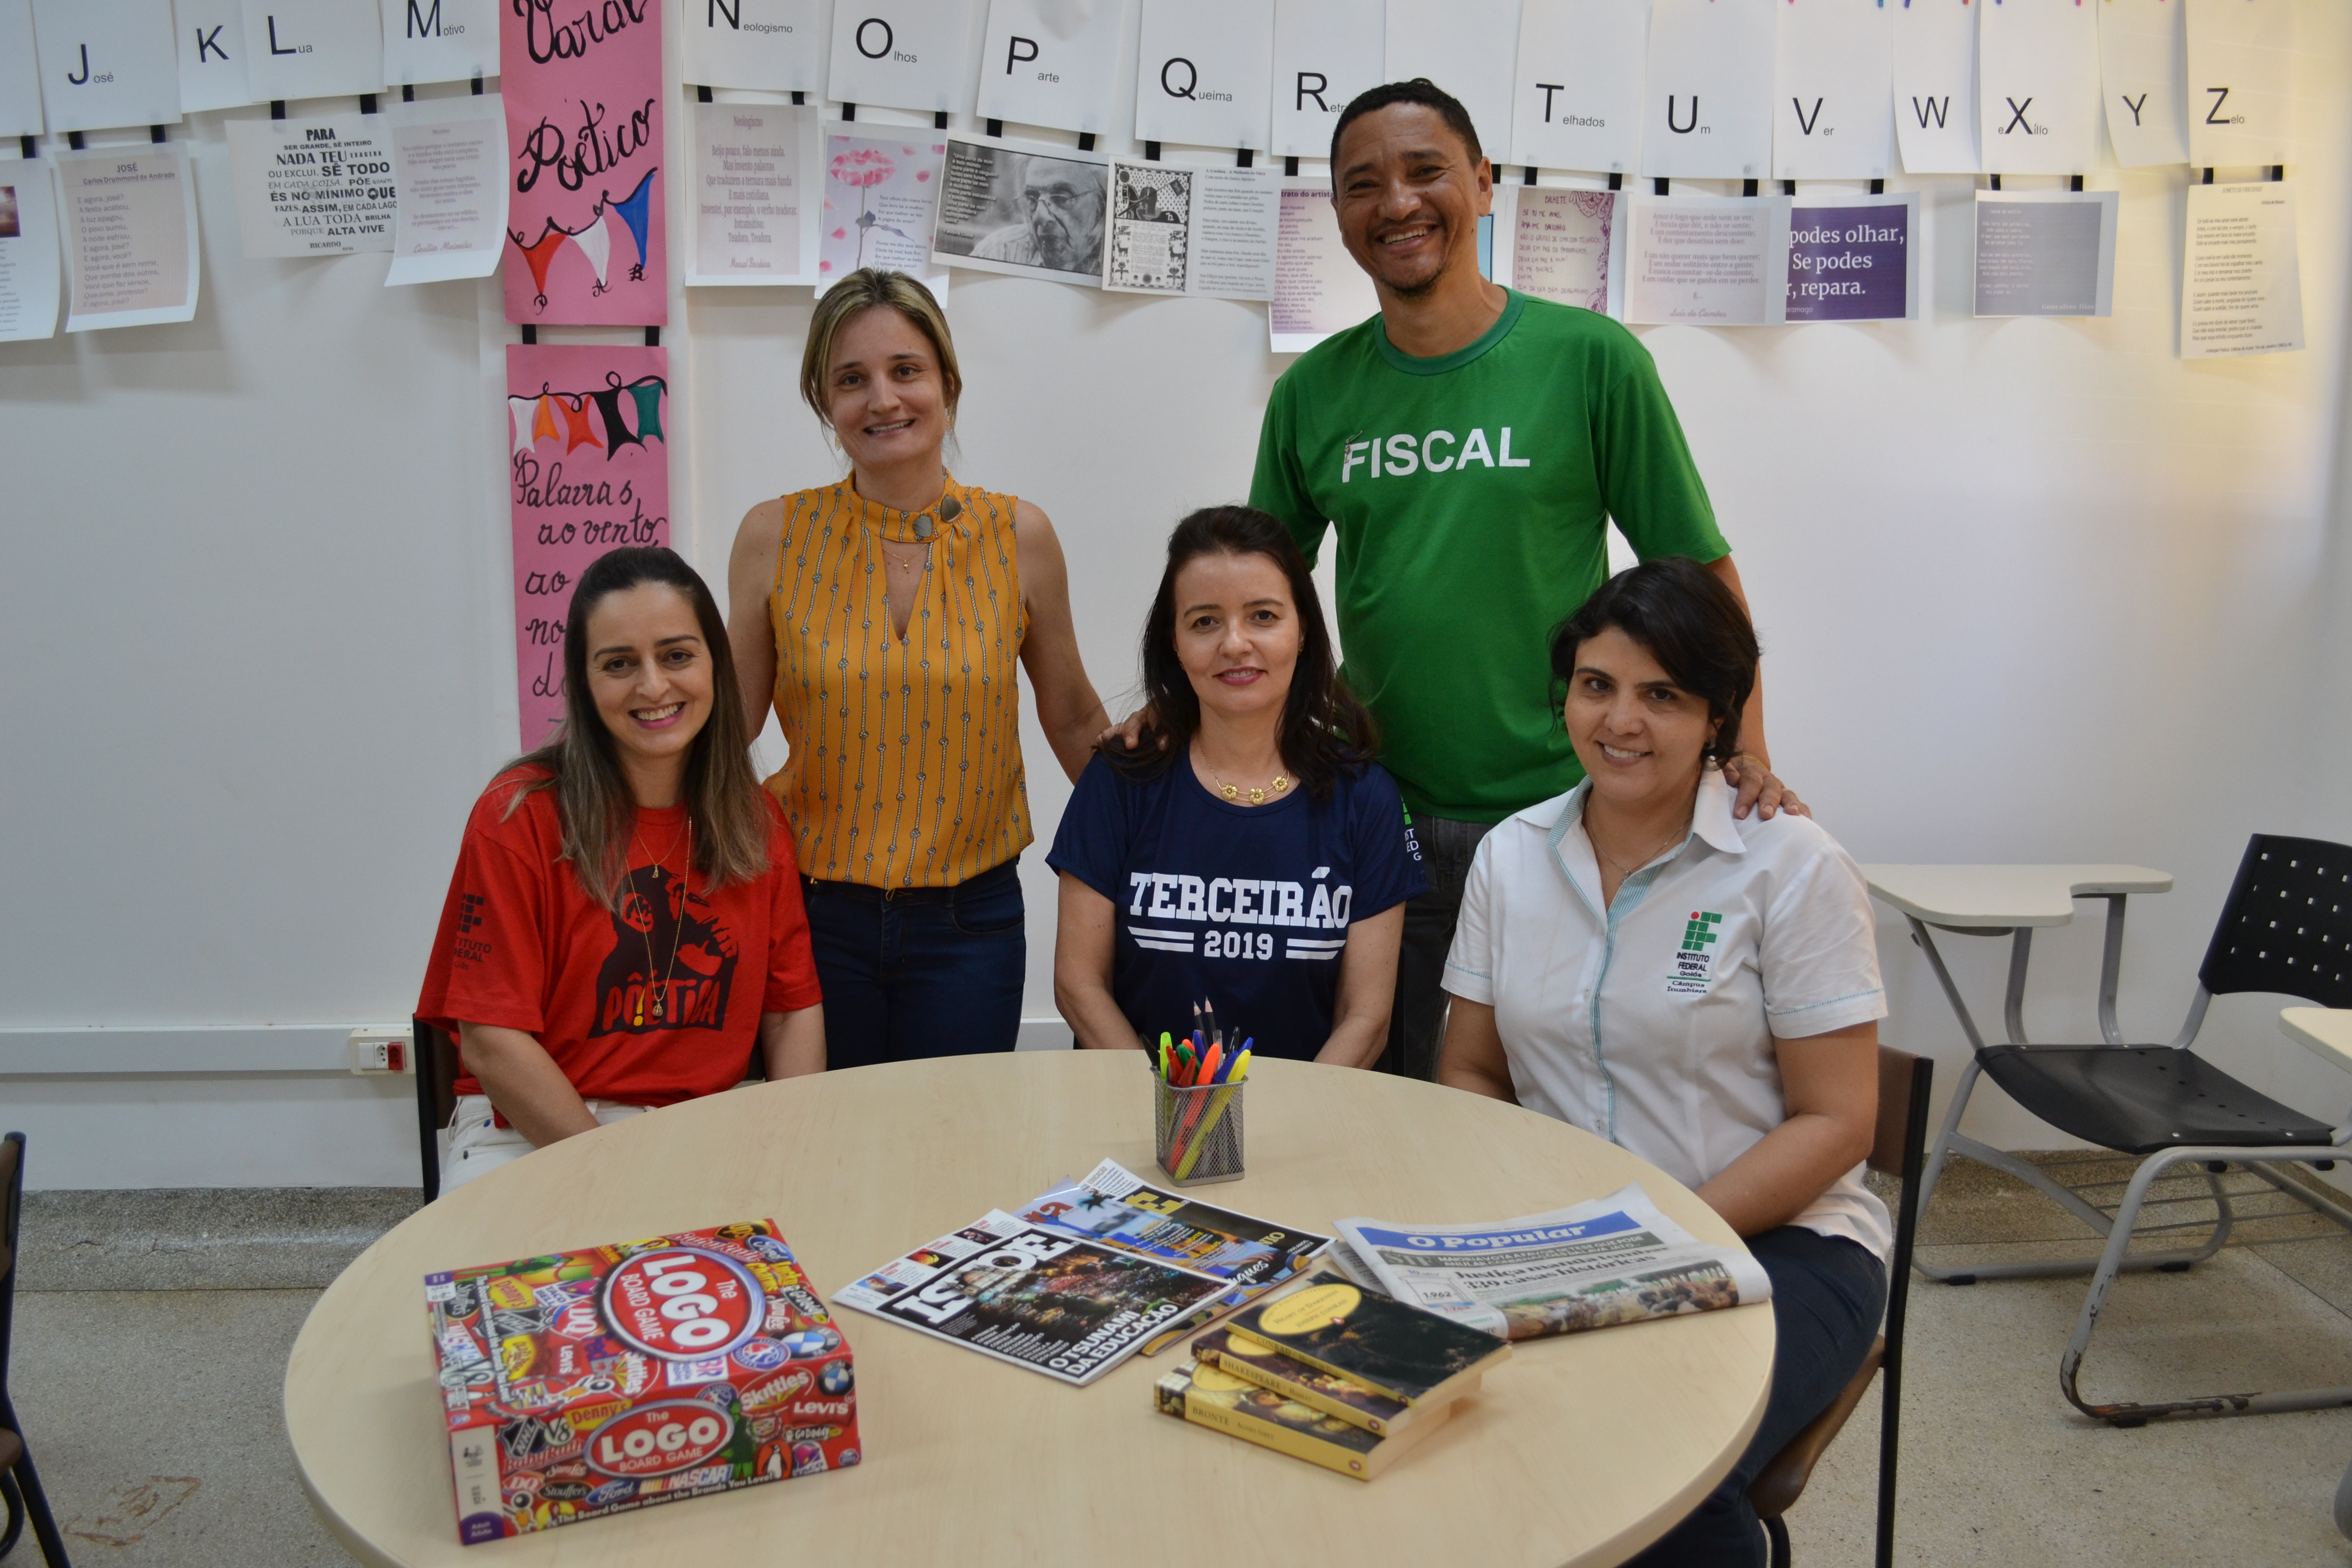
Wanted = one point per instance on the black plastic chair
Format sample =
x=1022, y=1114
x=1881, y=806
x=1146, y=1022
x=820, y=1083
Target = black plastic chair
x=2285, y=928
x=1899, y=1147
x=436, y=1096
x=20, y=1486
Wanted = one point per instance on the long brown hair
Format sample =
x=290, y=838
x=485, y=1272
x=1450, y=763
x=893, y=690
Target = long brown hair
x=592, y=799
x=1325, y=729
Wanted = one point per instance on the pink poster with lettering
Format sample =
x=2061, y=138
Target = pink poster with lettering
x=590, y=471
x=582, y=83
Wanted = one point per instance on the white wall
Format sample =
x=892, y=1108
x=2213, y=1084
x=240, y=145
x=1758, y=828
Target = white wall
x=2029, y=590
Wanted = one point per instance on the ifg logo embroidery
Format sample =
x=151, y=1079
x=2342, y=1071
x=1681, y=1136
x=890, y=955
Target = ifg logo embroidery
x=1695, y=960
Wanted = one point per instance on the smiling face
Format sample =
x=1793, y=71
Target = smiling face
x=885, y=396
x=650, y=676
x=1236, y=633
x=1641, y=737
x=1410, y=196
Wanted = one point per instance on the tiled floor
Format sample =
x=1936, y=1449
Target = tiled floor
x=154, y=1413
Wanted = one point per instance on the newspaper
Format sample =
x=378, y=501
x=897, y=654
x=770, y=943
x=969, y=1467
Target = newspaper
x=1614, y=1260
x=1179, y=230
x=1040, y=1299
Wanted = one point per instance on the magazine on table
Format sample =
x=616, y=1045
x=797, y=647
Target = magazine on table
x=1047, y=1300
x=1118, y=1208
x=1614, y=1260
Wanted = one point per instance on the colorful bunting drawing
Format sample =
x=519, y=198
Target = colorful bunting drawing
x=535, y=418
x=633, y=209
x=542, y=252
x=584, y=434
x=648, y=395
x=595, y=243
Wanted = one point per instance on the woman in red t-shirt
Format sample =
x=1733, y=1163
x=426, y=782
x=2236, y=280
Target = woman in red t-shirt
x=624, y=923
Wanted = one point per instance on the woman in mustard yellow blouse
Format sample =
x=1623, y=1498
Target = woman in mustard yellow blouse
x=883, y=612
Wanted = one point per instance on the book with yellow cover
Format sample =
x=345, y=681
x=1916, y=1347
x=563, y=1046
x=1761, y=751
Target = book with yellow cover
x=1255, y=1361
x=1210, y=1396
x=1410, y=1355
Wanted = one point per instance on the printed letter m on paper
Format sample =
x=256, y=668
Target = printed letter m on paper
x=424, y=25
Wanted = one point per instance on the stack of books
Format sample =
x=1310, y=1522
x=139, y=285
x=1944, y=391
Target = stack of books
x=1333, y=1374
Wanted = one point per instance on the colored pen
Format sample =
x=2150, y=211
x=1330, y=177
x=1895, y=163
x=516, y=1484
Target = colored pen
x=1212, y=1064
x=1241, y=1065
x=1163, y=1053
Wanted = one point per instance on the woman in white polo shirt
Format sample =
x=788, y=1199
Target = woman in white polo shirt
x=1701, y=991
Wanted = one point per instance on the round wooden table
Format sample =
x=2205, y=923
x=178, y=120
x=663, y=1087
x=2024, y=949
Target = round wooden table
x=1578, y=1450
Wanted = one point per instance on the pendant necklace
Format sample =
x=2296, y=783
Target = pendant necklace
x=677, y=931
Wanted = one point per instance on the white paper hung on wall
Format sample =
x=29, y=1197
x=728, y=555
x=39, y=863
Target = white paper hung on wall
x=2241, y=82
x=439, y=40
x=129, y=219
x=2038, y=86
x=1318, y=289
x=1568, y=246
x=1833, y=91
x=1053, y=62
x=1707, y=262
x=1203, y=72
x=905, y=54
x=20, y=72
x=880, y=202
x=1854, y=258
x=774, y=46
x=2240, y=282
x=313, y=48
x=106, y=63
x=1470, y=49
x=28, y=252
x=2045, y=253
x=1325, y=53
x=1178, y=231
x=312, y=187
x=1934, y=61
x=1708, y=113
x=212, y=55
x=1576, y=101
x=756, y=174
x=449, y=165
x=1021, y=209
x=2144, y=80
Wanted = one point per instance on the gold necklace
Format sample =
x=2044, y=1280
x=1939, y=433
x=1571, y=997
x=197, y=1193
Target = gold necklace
x=677, y=931
x=1279, y=783
x=1622, y=869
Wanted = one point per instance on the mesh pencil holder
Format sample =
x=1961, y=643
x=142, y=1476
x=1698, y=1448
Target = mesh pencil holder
x=1198, y=1132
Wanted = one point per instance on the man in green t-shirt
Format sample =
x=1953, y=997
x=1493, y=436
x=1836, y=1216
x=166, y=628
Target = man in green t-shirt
x=1470, y=445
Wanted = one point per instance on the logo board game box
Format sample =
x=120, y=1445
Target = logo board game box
x=582, y=1383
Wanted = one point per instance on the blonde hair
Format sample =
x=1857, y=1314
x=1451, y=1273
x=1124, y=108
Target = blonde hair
x=858, y=293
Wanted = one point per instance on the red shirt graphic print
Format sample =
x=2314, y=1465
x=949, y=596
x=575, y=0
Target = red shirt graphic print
x=650, y=1000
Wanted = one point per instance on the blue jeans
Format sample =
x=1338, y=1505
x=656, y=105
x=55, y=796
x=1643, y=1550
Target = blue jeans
x=918, y=972
x=1828, y=1294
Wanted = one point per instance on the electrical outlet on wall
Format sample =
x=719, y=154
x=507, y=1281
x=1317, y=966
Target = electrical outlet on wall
x=383, y=1051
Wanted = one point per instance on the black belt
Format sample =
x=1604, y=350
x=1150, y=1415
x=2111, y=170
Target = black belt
x=867, y=893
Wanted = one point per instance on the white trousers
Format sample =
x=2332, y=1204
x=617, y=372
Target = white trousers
x=477, y=1143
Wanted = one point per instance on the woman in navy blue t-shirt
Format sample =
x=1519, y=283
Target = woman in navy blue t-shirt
x=1246, y=854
